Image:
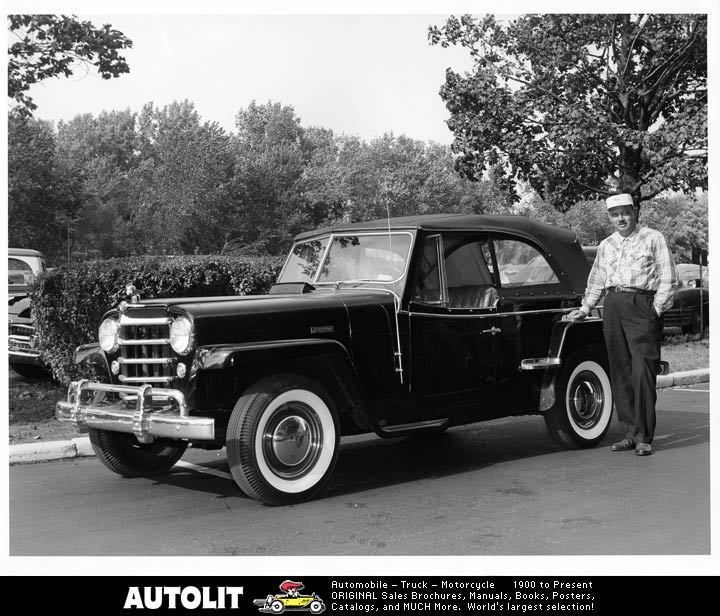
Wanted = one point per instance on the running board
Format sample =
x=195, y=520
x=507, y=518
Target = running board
x=410, y=428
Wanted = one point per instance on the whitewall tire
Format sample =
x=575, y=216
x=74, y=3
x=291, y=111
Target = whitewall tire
x=282, y=440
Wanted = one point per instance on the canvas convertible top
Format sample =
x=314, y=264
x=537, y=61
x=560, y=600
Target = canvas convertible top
x=558, y=243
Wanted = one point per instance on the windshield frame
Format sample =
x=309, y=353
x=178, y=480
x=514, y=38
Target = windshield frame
x=331, y=238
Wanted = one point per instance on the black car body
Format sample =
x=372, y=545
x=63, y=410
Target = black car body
x=398, y=327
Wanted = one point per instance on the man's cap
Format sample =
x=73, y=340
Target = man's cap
x=618, y=200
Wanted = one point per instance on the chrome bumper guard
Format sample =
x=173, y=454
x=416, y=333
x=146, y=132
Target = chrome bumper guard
x=156, y=413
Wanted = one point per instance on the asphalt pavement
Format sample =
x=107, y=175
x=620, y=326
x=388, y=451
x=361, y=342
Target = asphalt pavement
x=25, y=453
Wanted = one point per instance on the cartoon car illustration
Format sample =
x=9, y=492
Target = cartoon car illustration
x=290, y=599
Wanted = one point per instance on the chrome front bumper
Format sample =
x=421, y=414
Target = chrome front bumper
x=143, y=411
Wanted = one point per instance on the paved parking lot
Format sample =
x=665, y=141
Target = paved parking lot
x=495, y=488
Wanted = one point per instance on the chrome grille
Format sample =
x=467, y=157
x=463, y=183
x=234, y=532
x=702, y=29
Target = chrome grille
x=145, y=353
x=21, y=330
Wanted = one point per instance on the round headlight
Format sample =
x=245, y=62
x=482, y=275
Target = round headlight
x=108, y=334
x=181, y=336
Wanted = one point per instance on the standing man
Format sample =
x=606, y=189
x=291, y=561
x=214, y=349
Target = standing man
x=635, y=269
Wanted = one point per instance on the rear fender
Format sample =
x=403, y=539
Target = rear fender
x=566, y=337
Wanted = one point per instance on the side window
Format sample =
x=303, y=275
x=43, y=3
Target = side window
x=521, y=265
x=469, y=279
x=462, y=278
x=428, y=288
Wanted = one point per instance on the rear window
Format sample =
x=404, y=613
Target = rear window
x=22, y=272
x=522, y=265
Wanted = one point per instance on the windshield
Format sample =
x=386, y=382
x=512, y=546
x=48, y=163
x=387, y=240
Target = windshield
x=349, y=258
x=303, y=262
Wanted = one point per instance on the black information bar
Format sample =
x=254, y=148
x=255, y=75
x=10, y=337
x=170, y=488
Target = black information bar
x=381, y=595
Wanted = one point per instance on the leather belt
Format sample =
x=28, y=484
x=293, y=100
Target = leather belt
x=631, y=290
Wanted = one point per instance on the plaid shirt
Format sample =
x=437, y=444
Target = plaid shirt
x=641, y=260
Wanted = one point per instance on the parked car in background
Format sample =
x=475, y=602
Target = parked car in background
x=399, y=327
x=24, y=265
x=688, y=297
x=691, y=297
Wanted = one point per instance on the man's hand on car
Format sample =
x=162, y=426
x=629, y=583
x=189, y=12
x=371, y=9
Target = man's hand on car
x=575, y=315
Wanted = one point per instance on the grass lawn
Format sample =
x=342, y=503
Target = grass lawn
x=32, y=403
x=686, y=352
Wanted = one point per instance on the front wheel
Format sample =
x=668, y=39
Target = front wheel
x=582, y=411
x=282, y=440
x=123, y=454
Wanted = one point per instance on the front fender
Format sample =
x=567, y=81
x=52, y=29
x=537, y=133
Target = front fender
x=326, y=361
x=92, y=355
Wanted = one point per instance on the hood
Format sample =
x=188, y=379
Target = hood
x=254, y=318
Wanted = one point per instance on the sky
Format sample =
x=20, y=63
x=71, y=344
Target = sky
x=358, y=68
x=362, y=75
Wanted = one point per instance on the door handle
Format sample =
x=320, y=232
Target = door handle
x=492, y=330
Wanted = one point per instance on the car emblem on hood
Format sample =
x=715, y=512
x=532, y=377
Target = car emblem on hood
x=132, y=295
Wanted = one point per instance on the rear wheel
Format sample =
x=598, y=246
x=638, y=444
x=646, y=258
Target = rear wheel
x=583, y=405
x=123, y=454
x=282, y=440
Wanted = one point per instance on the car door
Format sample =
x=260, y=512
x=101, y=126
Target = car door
x=453, y=322
x=531, y=300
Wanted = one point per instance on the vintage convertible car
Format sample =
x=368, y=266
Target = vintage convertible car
x=290, y=599
x=277, y=604
x=24, y=265
x=398, y=327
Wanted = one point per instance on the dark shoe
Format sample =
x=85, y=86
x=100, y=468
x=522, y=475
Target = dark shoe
x=643, y=449
x=624, y=445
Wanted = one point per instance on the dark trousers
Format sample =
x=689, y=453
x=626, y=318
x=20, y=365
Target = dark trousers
x=633, y=334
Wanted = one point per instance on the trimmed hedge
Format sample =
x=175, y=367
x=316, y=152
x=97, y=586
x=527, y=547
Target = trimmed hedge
x=69, y=302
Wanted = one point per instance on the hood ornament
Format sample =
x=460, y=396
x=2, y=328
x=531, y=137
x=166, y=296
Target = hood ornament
x=132, y=295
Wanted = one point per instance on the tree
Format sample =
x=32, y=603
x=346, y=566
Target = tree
x=41, y=198
x=100, y=153
x=580, y=106
x=51, y=46
x=355, y=181
x=180, y=185
x=682, y=219
x=270, y=152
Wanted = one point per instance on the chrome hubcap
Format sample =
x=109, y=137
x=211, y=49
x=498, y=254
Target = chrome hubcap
x=587, y=400
x=292, y=440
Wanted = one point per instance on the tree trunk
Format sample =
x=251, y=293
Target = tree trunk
x=629, y=172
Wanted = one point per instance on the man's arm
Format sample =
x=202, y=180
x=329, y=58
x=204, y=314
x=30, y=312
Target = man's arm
x=665, y=268
x=595, y=286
